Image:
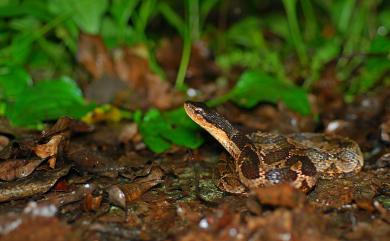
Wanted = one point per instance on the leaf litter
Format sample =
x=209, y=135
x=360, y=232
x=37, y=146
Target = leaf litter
x=107, y=185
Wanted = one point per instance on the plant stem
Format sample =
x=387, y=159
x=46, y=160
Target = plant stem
x=290, y=7
x=193, y=11
x=310, y=19
x=190, y=34
x=185, y=60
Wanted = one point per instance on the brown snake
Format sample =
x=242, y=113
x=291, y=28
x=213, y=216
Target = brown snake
x=262, y=159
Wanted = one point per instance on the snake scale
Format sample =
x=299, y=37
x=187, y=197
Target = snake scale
x=263, y=159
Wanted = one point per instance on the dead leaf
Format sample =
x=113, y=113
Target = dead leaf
x=39, y=229
x=280, y=195
x=377, y=230
x=360, y=188
x=91, y=202
x=332, y=193
x=136, y=189
x=131, y=65
x=65, y=126
x=18, y=168
x=298, y=224
x=128, y=133
x=94, y=56
x=60, y=199
x=49, y=150
x=4, y=141
x=385, y=131
x=37, y=183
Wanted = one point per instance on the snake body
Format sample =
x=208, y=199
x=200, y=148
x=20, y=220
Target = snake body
x=263, y=159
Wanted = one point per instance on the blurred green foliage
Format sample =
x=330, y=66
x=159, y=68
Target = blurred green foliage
x=256, y=86
x=29, y=105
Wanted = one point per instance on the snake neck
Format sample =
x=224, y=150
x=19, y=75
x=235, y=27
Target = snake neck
x=218, y=126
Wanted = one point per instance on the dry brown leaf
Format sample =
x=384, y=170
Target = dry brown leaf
x=361, y=189
x=37, y=183
x=280, y=195
x=92, y=203
x=4, y=141
x=136, y=189
x=332, y=193
x=94, y=56
x=131, y=65
x=60, y=199
x=40, y=229
x=18, y=168
x=49, y=150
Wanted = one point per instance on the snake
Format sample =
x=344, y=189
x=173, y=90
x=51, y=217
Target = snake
x=261, y=159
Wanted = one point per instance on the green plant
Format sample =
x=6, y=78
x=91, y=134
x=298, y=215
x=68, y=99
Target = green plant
x=161, y=130
x=292, y=20
x=188, y=27
x=28, y=104
x=256, y=86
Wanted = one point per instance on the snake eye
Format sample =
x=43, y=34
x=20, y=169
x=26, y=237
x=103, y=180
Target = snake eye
x=199, y=111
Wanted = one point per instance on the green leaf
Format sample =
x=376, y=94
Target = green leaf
x=247, y=33
x=145, y=12
x=256, y=86
x=113, y=34
x=384, y=19
x=25, y=24
x=172, y=18
x=47, y=100
x=87, y=14
x=121, y=10
x=373, y=70
x=13, y=80
x=160, y=130
x=18, y=51
x=380, y=45
x=324, y=54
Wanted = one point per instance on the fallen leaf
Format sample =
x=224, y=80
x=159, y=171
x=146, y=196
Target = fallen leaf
x=280, y=195
x=37, y=183
x=360, y=188
x=60, y=199
x=18, y=168
x=49, y=150
x=66, y=125
x=92, y=203
x=377, y=230
x=4, y=141
x=136, y=189
x=38, y=229
x=94, y=56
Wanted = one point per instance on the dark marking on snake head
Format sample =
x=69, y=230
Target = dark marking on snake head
x=307, y=168
x=250, y=163
x=281, y=175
